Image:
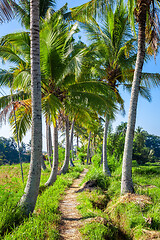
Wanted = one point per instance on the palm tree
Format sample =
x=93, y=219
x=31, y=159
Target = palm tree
x=49, y=141
x=71, y=143
x=53, y=175
x=59, y=88
x=143, y=8
x=112, y=45
x=29, y=198
x=144, y=12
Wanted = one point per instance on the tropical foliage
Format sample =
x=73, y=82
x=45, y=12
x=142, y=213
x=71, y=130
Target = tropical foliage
x=76, y=87
x=9, y=153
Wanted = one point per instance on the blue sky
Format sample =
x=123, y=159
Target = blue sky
x=148, y=114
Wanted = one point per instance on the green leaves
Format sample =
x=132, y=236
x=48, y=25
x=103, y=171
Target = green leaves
x=91, y=8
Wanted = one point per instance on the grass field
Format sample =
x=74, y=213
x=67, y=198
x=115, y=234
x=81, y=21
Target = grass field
x=112, y=216
x=44, y=222
x=106, y=214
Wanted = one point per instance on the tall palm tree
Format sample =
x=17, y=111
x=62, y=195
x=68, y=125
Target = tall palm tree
x=29, y=198
x=49, y=141
x=143, y=9
x=112, y=45
x=59, y=88
x=53, y=175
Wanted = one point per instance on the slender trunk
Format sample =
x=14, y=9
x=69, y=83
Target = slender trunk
x=53, y=175
x=71, y=144
x=20, y=160
x=49, y=142
x=28, y=200
x=126, y=183
x=77, y=145
x=105, y=164
x=64, y=168
x=88, y=148
x=43, y=165
x=94, y=145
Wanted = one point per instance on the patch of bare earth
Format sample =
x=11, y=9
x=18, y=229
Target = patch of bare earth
x=71, y=219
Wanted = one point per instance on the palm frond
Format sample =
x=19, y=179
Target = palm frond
x=150, y=80
x=91, y=8
x=5, y=77
x=6, y=11
x=23, y=119
x=50, y=105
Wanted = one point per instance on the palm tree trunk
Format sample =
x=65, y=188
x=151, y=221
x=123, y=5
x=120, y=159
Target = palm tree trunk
x=43, y=165
x=105, y=164
x=49, y=142
x=77, y=145
x=20, y=160
x=71, y=144
x=64, y=168
x=53, y=175
x=29, y=198
x=126, y=183
x=88, y=148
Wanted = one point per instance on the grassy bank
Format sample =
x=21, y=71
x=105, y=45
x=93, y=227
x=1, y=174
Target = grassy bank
x=44, y=222
x=112, y=216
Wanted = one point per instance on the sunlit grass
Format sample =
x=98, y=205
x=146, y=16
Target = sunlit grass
x=131, y=216
x=44, y=222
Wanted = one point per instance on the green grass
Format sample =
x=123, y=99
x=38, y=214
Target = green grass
x=43, y=224
x=124, y=216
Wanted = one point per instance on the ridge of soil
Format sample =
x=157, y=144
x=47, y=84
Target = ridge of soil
x=70, y=218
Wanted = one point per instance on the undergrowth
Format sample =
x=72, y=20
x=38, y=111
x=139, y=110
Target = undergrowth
x=43, y=223
x=112, y=216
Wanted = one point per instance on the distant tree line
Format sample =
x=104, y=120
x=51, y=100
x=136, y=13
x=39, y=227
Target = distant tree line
x=9, y=153
x=146, y=147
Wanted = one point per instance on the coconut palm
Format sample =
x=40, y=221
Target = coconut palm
x=71, y=143
x=53, y=175
x=112, y=45
x=62, y=84
x=29, y=198
x=49, y=141
x=59, y=86
x=115, y=50
x=144, y=12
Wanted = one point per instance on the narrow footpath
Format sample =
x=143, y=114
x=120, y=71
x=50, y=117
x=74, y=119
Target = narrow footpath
x=71, y=219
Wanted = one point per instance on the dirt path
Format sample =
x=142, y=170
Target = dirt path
x=71, y=219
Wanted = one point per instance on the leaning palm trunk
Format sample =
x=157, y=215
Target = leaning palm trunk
x=53, y=175
x=126, y=183
x=29, y=198
x=49, y=142
x=71, y=144
x=88, y=148
x=43, y=165
x=20, y=160
x=64, y=168
x=106, y=170
x=77, y=145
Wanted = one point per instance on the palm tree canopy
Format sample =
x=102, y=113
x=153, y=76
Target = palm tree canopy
x=59, y=85
x=114, y=48
x=22, y=10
